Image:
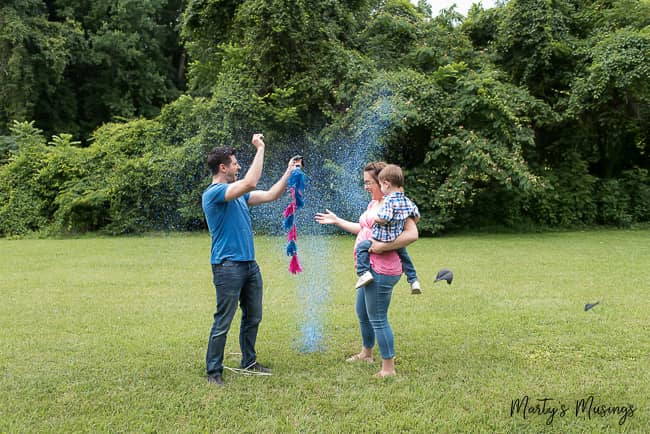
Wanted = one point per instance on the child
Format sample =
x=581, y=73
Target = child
x=388, y=225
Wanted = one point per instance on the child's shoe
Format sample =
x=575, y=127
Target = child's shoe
x=364, y=279
x=415, y=288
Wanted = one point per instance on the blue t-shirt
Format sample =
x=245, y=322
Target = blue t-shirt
x=230, y=225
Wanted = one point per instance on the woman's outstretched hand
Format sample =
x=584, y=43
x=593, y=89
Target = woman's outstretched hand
x=326, y=218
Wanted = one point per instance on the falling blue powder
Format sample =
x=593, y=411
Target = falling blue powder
x=313, y=293
x=334, y=172
x=334, y=183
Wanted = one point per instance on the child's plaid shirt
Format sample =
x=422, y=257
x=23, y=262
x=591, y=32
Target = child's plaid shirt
x=395, y=210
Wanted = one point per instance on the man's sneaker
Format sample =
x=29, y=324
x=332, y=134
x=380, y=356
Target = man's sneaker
x=415, y=288
x=364, y=279
x=215, y=379
x=256, y=367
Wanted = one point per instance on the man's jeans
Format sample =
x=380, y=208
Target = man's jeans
x=235, y=282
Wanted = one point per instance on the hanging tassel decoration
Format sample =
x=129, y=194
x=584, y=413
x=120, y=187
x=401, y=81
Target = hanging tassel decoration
x=294, y=265
x=287, y=223
x=291, y=248
x=291, y=209
x=299, y=201
x=293, y=234
x=296, y=185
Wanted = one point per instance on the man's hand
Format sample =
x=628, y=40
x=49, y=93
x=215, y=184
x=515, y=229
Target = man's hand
x=258, y=140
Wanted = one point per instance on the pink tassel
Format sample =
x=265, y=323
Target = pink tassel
x=294, y=265
x=291, y=208
x=292, y=235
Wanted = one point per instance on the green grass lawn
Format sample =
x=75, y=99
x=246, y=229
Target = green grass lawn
x=109, y=335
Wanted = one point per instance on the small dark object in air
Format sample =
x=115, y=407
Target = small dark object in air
x=299, y=160
x=445, y=274
x=590, y=305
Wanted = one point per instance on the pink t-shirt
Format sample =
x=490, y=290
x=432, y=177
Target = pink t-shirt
x=387, y=263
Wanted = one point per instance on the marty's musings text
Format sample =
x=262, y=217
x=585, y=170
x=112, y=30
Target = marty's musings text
x=588, y=408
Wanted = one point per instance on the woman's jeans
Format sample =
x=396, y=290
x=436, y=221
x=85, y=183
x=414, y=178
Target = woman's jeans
x=372, y=309
x=235, y=282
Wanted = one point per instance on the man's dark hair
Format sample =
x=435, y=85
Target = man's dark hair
x=220, y=155
x=299, y=158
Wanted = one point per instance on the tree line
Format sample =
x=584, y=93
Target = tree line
x=531, y=114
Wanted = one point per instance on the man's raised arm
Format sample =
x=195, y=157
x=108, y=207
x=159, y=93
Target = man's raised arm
x=249, y=182
x=263, y=196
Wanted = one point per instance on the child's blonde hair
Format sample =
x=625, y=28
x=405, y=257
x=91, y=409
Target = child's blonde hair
x=393, y=174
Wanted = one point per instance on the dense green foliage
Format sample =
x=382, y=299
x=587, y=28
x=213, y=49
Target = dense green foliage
x=71, y=66
x=531, y=114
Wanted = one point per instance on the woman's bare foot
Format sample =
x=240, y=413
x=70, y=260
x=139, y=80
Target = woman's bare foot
x=387, y=368
x=383, y=374
x=360, y=357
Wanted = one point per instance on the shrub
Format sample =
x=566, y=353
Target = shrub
x=613, y=203
x=23, y=207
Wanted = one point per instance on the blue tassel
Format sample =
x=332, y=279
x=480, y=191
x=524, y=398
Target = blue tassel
x=291, y=248
x=297, y=180
x=299, y=200
x=295, y=176
x=287, y=222
x=300, y=182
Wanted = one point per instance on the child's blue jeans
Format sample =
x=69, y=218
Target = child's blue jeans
x=363, y=261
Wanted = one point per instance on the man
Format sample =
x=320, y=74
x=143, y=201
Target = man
x=235, y=273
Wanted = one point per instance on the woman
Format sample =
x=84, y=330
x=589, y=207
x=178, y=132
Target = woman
x=373, y=300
